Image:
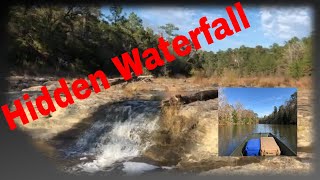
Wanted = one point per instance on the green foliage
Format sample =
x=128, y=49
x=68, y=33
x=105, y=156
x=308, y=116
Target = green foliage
x=169, y=29
x=297, y=69
x=80, y=39
x=285, y=114
x=116, y=14
x=234, y=117
x=294, y=59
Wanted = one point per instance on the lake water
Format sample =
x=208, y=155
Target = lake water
x=231, y=136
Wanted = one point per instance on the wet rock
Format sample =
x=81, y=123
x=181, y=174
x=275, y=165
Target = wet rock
x=187, y=129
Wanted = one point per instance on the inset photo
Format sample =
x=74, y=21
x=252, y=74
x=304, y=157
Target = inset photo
x=257, y=122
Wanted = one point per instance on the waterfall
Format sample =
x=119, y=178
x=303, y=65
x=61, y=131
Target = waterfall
x=122, y=134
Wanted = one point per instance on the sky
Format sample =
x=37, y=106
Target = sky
x=268, y=24
x=260, y=100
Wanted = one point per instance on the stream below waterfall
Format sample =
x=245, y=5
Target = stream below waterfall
x=114, y=143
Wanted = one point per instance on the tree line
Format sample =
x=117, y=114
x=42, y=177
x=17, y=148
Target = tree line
x=81, y=40
x=294, y=59
x=235, y=114
x=285, y=114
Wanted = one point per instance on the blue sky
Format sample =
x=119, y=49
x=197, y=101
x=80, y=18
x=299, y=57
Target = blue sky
x=268, y=24
x=260, y=100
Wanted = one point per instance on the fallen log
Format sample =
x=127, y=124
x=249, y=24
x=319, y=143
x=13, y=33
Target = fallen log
x=116, y=81
x=199, y=96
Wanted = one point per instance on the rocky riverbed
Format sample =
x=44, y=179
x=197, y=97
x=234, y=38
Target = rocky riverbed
x=183, y=137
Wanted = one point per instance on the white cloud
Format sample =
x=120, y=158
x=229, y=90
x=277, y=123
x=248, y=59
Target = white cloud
x=185, y=18
x=286, y=23
x=175, y=15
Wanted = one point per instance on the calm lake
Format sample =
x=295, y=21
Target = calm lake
x=231, y=136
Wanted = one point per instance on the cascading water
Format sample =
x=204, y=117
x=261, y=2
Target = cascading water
x=122, y=135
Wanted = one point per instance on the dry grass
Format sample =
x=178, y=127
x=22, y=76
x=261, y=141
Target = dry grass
x=168, y=86
x=175, y=124
x=168, y=116
x=129, y=90
x=272, y=81
x=173, y=86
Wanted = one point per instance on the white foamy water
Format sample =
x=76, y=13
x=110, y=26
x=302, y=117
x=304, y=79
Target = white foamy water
x=121, y=136
x=136, y=168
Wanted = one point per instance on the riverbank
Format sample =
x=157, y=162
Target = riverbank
x=20, y=82
x=231, y=124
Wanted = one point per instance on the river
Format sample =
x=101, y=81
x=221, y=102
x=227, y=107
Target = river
x=231, y=136
x=113, y=144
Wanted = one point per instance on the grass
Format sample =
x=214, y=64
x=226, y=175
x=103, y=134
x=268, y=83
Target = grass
x=175, y=124
x=270, y=81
